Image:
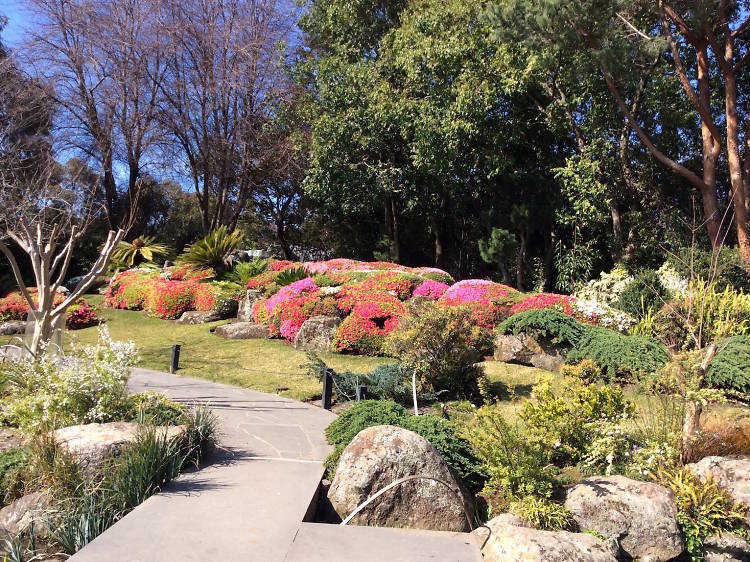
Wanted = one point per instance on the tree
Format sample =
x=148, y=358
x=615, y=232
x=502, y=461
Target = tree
x=105, y=60
x=223, y=79
x=620, y=37
x=44, y=211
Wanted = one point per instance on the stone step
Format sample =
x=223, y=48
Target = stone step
x=317, y=542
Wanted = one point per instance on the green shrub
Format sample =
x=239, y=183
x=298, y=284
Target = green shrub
x=729, y=270
x=454, y=450
x=212, y=252
x=730, y=367
x=436, y=345
x=614, y=353
x=13, y=464
x=542, y=513
x=154, y=408
x=545, y=323
x=618, y=355
x=586, y=371
x=288, y=276
x=516, y=466
x=703, y=509
x=243, y=271
x=644, y=294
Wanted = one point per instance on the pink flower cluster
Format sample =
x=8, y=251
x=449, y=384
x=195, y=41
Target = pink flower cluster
x=431, y=289
x=563, y=303
x=470, y=291
x=290, y=291
x=341, y=265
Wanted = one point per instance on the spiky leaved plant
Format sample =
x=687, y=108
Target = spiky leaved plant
x=213, y=251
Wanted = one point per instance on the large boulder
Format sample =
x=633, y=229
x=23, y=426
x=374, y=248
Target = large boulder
x=731, y=473
x=505, y=539
x=16, y=516
x=526, y=350
x=380, y=455
x=12, y=327
x=93, y=444
x=726, y=548
x=245, y=310
x=242, y=331
x=199, y=317
x=642, y=516
x=316, y=334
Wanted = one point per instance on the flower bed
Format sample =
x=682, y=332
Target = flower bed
x=81, y=315
x=14, y=306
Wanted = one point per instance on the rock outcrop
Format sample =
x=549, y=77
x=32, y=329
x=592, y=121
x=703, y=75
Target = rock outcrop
x=381, y=455
x=527, y=350
x=245, y=310
x=730, y=473
x=16, y=516
x=12, y=327
x=316, y=334
x=641, y=516
x=242, y=331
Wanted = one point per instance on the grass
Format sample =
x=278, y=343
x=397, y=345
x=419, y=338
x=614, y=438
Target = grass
x=266, y=365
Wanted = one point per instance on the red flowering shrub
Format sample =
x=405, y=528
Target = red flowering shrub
x=563, y=303
x=186, y=272
x=487, y=303
x=14, y=306
x=280, y=265
x=81, y=315
x=431, y=289
x=397, y=283
x=289, y=315
x=169, y=299
x=205, y=296
x=262, y=281
x=130, y=289
x=373, y=316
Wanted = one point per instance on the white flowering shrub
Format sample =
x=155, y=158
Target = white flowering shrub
x=646, y=459
x=675, y=283
x=610, y=448
x=607, y=289
x=604, y=315
x=86, y=385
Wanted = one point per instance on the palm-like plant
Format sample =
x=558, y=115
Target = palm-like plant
x=243, y=271
x=141, y=250
x=213, y=251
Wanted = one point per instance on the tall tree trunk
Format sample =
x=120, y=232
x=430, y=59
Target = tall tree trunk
x=616, y=230
x=711, y=151
x=521, y=259
x=733, y=159
x=395, y=234
x=437, y=233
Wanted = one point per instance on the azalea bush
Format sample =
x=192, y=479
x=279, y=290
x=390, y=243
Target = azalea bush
x=563, y=303
x=431, y=289
x=170, y=299
x=15, y=307
x=372, y=317
x=81, y=315
x=130, y=289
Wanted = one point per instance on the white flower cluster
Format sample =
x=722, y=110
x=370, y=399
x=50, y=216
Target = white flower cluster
x=607, y=289
x=672, y=280
x=87, y=385
x=604, y=315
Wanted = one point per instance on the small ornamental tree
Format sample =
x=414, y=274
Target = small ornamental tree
x=44, y=208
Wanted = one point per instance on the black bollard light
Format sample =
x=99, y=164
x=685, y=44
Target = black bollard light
x=327, y=389
x=361, y=392
x=175, y=363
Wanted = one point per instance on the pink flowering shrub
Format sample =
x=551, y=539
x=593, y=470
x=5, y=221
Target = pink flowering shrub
x=394, y=282
x=288, y=316
x=280, y=265
x=292, y=290
x=81, y=315
x=431, y=289
x=563, y=303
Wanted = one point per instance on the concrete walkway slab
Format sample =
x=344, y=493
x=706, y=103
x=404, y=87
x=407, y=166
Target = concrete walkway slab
x=249, y=504
x=316, y=542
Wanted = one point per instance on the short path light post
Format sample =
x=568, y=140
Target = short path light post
x=175, y=362
x=327, y=389
x=361, y=392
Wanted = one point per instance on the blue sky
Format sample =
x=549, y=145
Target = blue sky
x=18, y=21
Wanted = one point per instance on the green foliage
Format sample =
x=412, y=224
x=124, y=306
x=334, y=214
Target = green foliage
x=212, y=252
x=500, y=249
x=86, y=386
x=290, y=275
x=703, y=509
x=730, y=367
x=542, y=513
x=454, y=450
x=574, y=265
x=618, y=355
x=586, y=371
x=546, y=323
x=154, y=408
x=13, y=464
x=727, y=269
x=644, y=294
x=144, y=249
x=243, y=271
x=436, y=345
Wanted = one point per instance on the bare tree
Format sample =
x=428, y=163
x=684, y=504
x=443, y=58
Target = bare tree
x=43, y=210
x=106, y=61
x=223, y=77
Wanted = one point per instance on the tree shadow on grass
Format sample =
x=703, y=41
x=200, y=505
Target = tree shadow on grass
x=504, y=391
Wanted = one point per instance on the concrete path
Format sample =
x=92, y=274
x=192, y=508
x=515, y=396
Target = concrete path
x=248, y=504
